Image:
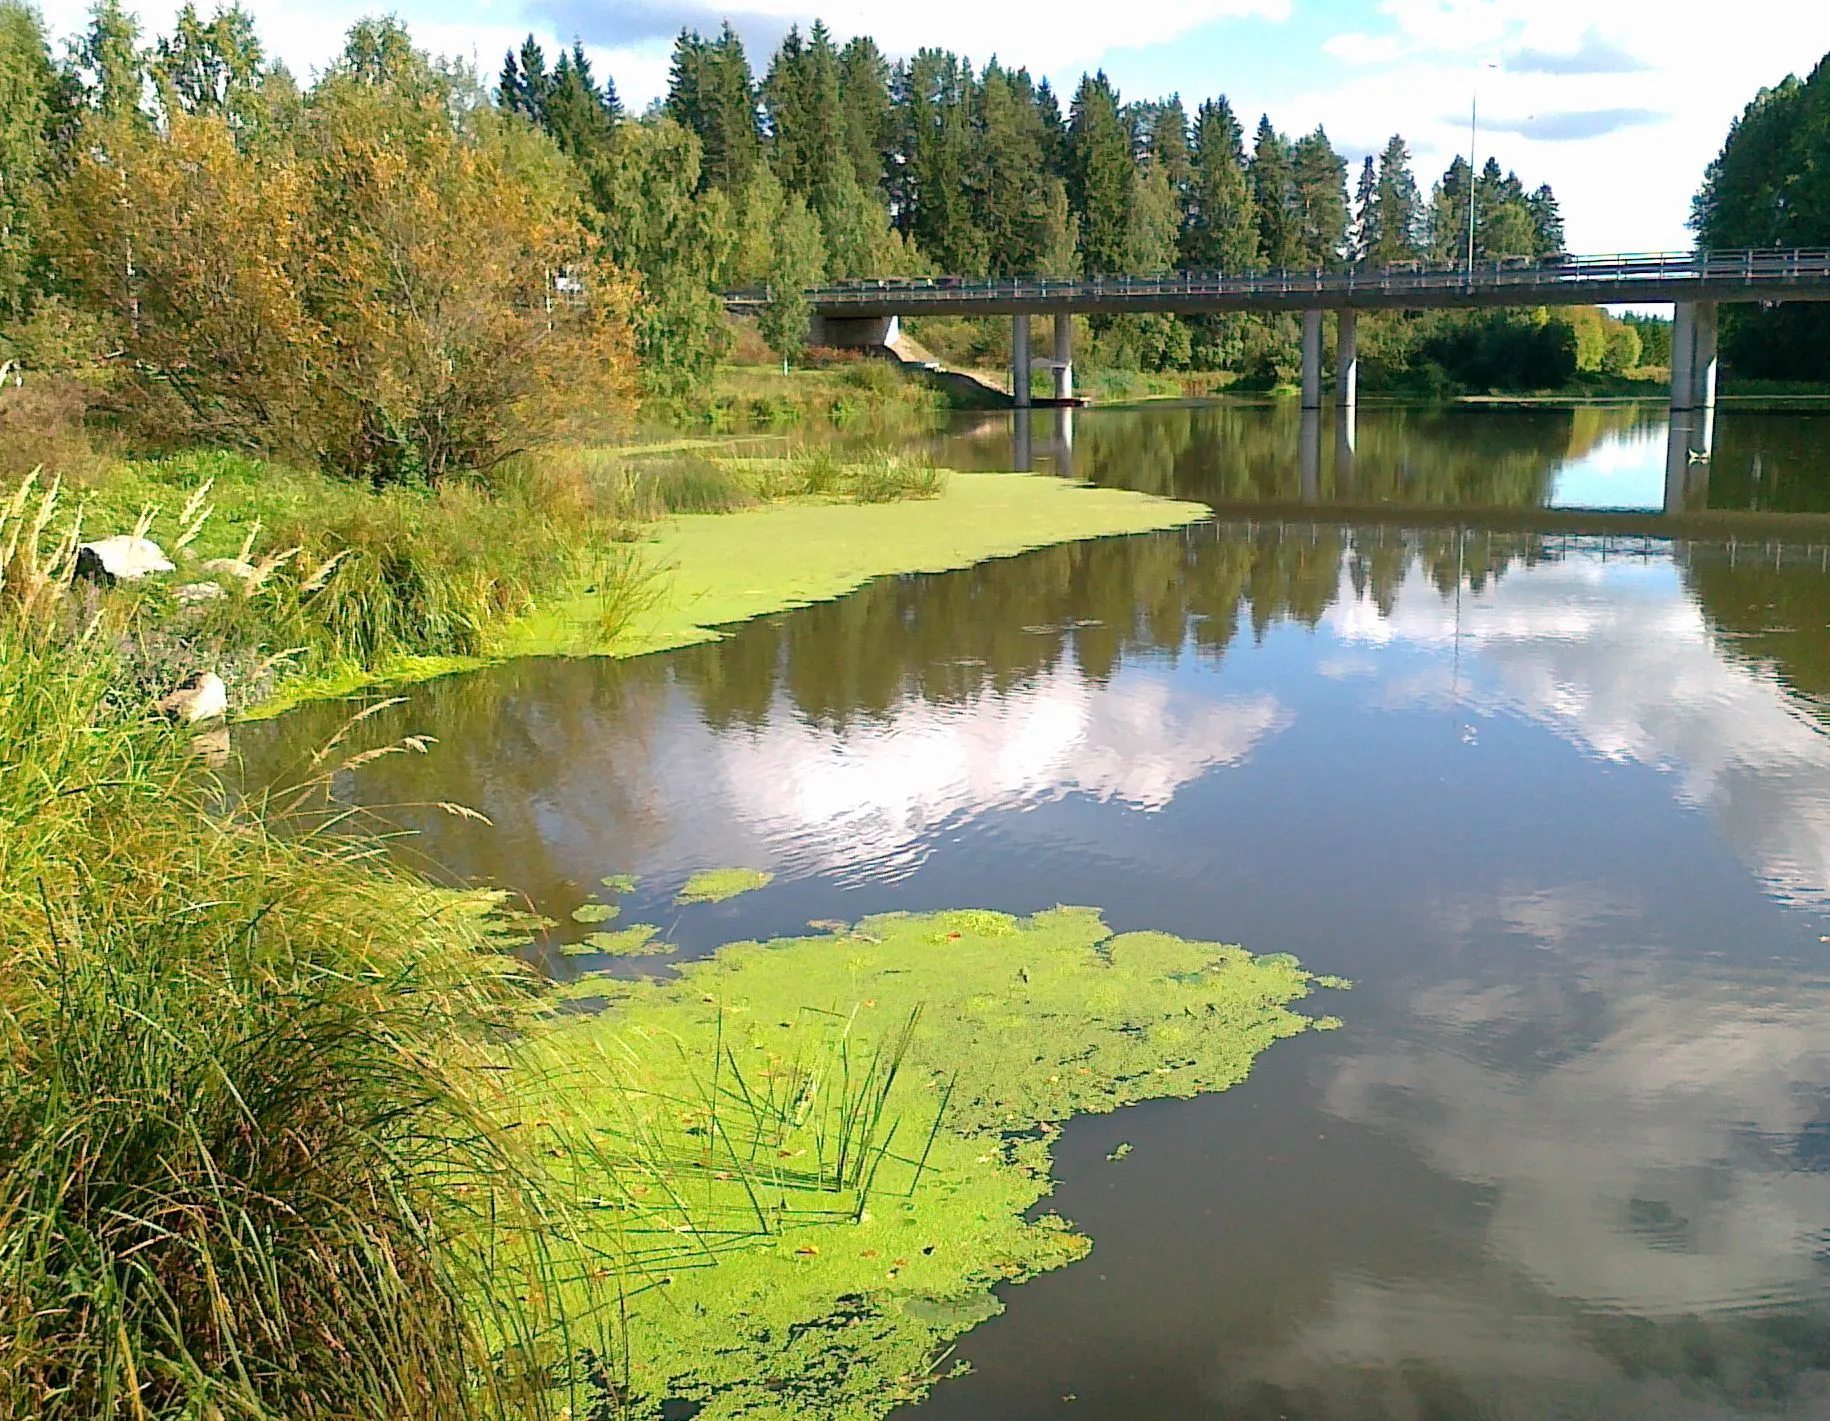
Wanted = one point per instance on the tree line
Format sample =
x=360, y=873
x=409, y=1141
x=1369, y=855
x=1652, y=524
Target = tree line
x=1770, y=187
x=399, y=267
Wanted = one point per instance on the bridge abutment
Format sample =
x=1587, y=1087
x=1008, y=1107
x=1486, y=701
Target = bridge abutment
x=853, y=332
x=1312, y=360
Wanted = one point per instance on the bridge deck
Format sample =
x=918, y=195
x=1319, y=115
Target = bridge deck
x=1762, y=275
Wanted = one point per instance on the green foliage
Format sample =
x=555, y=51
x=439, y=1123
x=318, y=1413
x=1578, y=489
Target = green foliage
x=29, y=104
x=1100, y=175
x=798, y=262
x=1770, y=187
x=252, y=1156
x=855, y=1129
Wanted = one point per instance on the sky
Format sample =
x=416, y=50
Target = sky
x=1618, y=106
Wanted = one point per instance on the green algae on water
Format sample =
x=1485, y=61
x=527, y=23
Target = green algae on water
x=594, y=912
x=620, y=883
x=819, y=1155
x=714, y=885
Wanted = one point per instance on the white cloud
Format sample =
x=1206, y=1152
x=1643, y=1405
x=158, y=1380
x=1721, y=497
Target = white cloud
x=1617, y=659
x=870, y=796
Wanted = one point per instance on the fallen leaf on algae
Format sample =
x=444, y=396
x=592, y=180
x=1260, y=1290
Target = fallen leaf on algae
x=997, y=1035
x=714, y=885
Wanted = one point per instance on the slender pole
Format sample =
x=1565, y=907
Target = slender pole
x=1473, y=148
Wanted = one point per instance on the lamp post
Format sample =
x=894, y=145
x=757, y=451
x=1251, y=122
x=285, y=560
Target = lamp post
x=1473, y=161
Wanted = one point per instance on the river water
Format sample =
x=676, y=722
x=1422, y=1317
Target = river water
x=1554, y=794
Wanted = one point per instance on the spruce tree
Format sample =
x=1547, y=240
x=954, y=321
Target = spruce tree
x=864, y=95
x=1099, y=175
x=28, y=107
x=1221, y=232
x=1320, y=176
x=1274, y=198
x=1364, y=235
x=110, y=68
x=1399, y=217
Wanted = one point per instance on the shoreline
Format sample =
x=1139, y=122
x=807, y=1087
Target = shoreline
x=722, y=569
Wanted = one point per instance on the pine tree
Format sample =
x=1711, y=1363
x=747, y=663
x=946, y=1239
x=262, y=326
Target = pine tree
x=1547, y=222
x=1221, y=233
x=28, y=107
x=1321, y=199
x=580, y=116
x=208, y=68
x=1364, y=235
x=1274, y=197
x=110, y=69
x=712, y=92
x=1399, y=217
x=864, y=95
x=932, y=194
x=1448, y=221
x=1099, y=175
x=535, y=82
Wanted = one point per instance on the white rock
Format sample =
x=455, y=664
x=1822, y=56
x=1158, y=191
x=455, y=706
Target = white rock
x=229, y=567
x=201, y=697
x=191, y=593
x=121, y=558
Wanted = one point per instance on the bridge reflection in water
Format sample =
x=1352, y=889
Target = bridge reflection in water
x=1560, y=468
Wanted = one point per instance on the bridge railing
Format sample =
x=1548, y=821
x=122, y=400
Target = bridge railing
x=1758, y=267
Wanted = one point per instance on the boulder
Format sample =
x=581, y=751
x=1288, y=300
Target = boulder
x=229, y=567
x=190, y=594
x=201, y=697
x=121, y=558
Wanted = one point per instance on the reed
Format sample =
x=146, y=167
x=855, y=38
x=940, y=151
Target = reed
x=253, y=1157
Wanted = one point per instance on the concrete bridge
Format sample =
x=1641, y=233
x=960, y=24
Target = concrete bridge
x=865, y=313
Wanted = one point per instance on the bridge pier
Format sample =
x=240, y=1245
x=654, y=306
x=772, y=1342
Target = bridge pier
x=1694, y=370
x=1019, y=359
x=1064, y=355
x=1312, y=360
x=1347, y=361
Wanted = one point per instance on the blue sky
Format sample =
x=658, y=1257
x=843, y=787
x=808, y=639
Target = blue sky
x=1618, y=106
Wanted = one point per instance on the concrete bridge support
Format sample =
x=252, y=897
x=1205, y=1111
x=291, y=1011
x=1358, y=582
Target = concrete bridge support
x=853, y=332
x=1019, y=360
x=1312, y=360
x=1694, y=369
x=1064, y=355
x=1347, y=362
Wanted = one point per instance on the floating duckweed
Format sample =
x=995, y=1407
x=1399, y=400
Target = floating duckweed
x=636, y=940
x=594, y=912
x=714, y=885
x=620, y=882
x=866, y=1135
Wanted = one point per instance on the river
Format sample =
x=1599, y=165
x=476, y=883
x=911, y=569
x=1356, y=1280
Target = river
x=1553, y=791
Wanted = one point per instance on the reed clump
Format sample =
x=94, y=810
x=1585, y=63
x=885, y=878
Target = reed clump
x=252, y=1162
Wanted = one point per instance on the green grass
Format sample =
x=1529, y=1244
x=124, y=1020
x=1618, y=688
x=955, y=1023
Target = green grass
x=821, y=1154
x=254, y=1162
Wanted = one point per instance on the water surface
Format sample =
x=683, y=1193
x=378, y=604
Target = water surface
x=1558, y=802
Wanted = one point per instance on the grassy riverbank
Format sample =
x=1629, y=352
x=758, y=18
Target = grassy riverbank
x=286, y=1131
x=587, y=552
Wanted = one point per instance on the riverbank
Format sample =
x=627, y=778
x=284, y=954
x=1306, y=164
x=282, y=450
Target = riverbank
x=316, y=588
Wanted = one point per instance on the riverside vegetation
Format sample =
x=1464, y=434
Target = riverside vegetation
x=285, y=1131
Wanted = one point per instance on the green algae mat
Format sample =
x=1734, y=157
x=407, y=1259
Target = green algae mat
x=719, y=568
x=713, y=569
x=809, y=1161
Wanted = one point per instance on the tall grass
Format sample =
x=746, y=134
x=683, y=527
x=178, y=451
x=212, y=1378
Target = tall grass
x=252, y=1162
